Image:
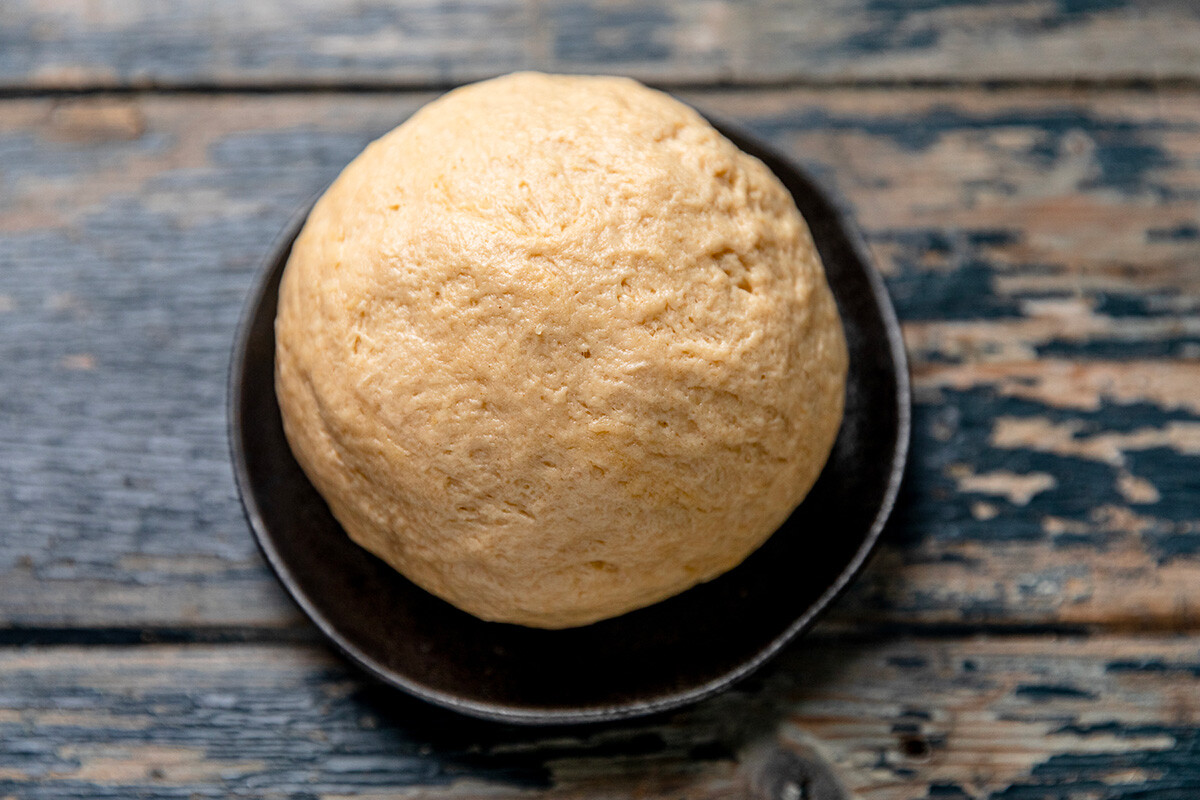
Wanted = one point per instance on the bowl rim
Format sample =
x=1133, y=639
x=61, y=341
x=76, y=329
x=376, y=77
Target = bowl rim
x=499, y=712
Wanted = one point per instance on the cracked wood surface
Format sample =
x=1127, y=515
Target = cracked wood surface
x=995, y=719
x=1041, y=246
x=77, y=43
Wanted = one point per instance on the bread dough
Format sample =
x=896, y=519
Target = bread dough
x=555, y=350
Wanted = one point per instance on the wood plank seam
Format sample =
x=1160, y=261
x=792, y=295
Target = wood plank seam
x=1140, y=85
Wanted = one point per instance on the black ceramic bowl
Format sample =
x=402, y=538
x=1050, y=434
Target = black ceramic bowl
x=674, y=652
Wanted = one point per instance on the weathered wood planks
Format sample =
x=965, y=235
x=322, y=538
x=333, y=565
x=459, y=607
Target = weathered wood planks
x=1042, y=247
x=76, y=43
x=1113, y=718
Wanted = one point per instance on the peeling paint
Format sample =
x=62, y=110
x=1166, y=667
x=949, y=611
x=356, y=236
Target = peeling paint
x=1018, y=489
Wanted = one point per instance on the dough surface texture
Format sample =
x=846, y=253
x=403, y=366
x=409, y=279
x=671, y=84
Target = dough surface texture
x=555, y=350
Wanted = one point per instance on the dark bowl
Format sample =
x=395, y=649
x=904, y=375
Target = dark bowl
x=669, y=654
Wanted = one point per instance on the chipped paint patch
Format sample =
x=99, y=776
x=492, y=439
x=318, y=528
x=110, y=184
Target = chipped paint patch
x=984, y=511
x=1069, y=438
x=1017, y=489
x=91, y=120
x=1070, y=384
x=1137, y=490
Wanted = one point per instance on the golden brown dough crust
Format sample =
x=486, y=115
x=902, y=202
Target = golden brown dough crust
x=555, y=350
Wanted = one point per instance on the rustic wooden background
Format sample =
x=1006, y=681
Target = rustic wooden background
x=1027, y=173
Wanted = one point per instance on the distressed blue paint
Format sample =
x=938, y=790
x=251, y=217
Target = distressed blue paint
x=1112, y=304
x=1170, y=774
x=1126, y=164
x=887, y=37
x=1111, y=348
x=312, y=740
x=136, y=445
x=960, y=282
x=1089, y=7
x=1176, y=477
x=339, y=42
x=945, y=242
x=897, y=26
x=178, y=45
x=1172, y=544
x=1127, y=153
x=1048, y=692
x=1183, y=232
x=588, y=33
x=1098, y=542
x=1155, y=665
x=28, y=155
x=900, y=7
x=273, y=154
x=137, y=442
x=963, y=293
x=318, y=729
x=957, y=430
x=952, y=274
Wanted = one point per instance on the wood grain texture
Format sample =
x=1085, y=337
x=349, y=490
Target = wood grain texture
x=79, y=43
x=1034, y=719
x=1042, y=247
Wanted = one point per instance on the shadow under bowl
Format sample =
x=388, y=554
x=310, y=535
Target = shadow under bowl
x=675, y=652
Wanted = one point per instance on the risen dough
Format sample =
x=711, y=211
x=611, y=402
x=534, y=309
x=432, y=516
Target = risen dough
x=555, y=350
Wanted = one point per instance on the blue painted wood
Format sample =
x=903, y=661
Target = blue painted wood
x=1056, y=417
x=994, y=719
x=140, y=43
x=1042, y=247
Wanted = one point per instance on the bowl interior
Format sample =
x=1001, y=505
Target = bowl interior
x=673, y=652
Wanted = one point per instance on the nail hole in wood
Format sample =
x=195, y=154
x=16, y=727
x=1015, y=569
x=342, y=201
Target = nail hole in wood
x=914, y=747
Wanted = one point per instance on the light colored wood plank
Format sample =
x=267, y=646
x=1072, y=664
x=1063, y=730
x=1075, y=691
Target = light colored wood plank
x=1116, y=718
x=1041, y=246
x=79, y=43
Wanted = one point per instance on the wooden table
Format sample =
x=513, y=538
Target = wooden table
x=1028, y=177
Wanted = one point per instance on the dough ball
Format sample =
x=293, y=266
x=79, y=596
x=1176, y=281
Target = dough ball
x=555, y=350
